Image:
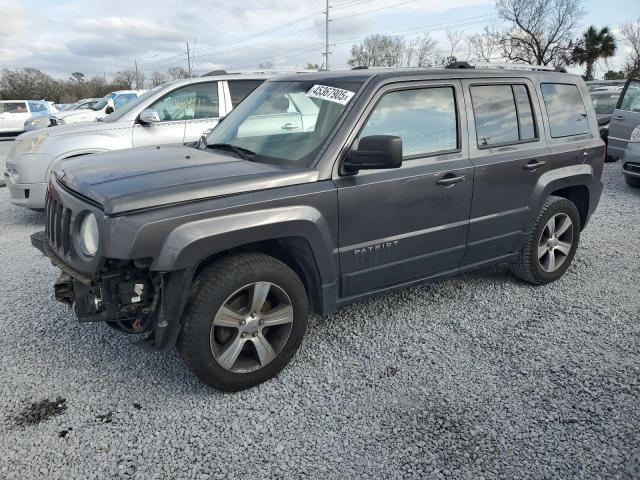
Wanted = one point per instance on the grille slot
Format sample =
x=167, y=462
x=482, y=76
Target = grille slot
x=633, y=167
x=58, y=226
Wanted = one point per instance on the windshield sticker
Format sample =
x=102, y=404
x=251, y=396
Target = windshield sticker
x=332, y=94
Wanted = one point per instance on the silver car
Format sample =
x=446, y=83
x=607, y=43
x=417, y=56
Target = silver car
x=175, y=112
x=43, y=121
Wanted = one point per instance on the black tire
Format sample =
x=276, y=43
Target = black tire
x=527, y=266
x=214, y=285
x=632, y=181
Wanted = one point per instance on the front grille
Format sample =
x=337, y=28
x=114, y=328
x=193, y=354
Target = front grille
x=58, y=225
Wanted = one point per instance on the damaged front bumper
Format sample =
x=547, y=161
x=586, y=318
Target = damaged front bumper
x=152, y=302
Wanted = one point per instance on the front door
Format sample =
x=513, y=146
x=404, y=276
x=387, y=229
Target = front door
x=405, y=224
x=206, y=111
x=624, y=119
x=175, y=110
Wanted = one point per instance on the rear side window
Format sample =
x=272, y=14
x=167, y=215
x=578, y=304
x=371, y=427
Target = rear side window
x=424, y=118
x=565, y=109
x=13, y=107
x=631, y=99
x=503, y=114
x=240, y=89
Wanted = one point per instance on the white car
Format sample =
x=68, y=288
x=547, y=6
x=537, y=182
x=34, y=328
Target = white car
x=108, y=104
x=43, y=121
x=176, y=112
x=13, y=114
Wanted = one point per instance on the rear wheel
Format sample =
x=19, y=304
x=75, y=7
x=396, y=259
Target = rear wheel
x=551, y=245
x=244, y=321
x=632, y=181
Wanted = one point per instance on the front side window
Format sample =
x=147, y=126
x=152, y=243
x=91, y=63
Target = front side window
x=424, y=118
x=240, y=89
x=283, y=122
x=13, y=107
x=565, y=109
x=191, y=102
x=631, y=99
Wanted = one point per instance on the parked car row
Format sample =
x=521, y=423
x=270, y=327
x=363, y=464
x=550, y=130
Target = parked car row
x=14, y=114
x=236, y=204
x=43, y=121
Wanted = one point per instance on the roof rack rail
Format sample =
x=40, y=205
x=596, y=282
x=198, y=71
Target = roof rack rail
x=460, y=65
x=247, y=72
x=506, y=66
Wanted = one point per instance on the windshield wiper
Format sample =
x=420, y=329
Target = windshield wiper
x=243, y=153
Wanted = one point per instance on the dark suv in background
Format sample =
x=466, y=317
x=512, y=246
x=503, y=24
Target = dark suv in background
x=390, y=178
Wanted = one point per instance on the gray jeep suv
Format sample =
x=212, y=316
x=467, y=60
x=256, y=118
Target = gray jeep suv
x=390, y=177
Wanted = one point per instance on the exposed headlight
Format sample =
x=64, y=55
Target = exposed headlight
x=635, y=135
x=31, y=144
x=89, y=235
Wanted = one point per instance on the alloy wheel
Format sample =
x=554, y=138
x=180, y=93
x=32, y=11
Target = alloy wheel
x=555, y=242
x=251, y=327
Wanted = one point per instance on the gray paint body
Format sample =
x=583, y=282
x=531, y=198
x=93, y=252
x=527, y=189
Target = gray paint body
x=362, y=234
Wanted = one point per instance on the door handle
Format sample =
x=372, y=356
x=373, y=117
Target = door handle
x=289, y=126
x=450, y=179
x=618, y=117
x=534, y=165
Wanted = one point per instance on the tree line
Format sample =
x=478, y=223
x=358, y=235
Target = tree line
x=31, y=83
x=535, y=32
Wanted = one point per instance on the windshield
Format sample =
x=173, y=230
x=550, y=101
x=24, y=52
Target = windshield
x=122, y=111
x=283, y=123
x=605, y=104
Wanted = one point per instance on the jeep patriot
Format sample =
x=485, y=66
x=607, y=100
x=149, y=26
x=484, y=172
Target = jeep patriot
x=221, y=248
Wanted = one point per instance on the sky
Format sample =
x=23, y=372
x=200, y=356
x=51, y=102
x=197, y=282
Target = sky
x=98, y=37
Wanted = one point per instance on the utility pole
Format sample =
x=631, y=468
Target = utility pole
x=135, y=62
x=188, y=60
x=326, y=37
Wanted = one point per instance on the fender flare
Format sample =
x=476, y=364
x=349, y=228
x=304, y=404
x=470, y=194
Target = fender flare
x=581, y=175
x=190, y=243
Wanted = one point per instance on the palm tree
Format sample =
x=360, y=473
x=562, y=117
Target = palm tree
x=593, y=45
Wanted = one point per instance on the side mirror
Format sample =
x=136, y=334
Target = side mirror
x=109, y=110
x=374, y=152
x=149, y=116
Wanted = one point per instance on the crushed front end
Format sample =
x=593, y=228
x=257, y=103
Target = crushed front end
x=125, y=293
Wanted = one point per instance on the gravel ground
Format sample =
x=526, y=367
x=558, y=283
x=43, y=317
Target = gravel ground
x=475, y=377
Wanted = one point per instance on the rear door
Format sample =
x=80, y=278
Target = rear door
x=13, y=115
x=625, y=118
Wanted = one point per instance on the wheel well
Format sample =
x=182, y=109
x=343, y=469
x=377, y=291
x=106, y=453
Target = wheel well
x=292, y=251
x=579, y=195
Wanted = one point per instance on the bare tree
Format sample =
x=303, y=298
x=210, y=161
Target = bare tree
x=423, y=49
x=265, y=65
x=380, y=51
x=157, y=78
x=541, y=31
x=454, y=37
x=631, y=32
x=176, y=73
x=484, y=45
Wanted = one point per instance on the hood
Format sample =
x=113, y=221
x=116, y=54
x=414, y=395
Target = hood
x=80, y=115
x=146, y=177
x=79, y=128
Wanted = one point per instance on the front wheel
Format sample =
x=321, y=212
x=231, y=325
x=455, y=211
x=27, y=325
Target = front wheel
x=244, y=321
x=632, y=181
x=551, y=245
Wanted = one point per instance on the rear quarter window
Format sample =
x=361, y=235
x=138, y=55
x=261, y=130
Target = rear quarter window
x=566, y=112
